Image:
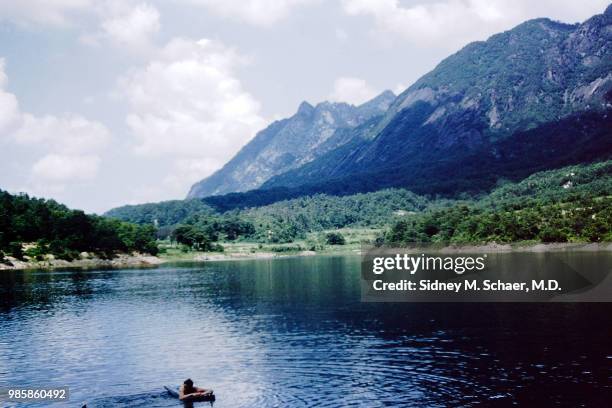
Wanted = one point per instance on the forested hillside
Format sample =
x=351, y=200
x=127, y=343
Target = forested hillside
x=280, y=222
x=574, y=219
x=576, y=199
x=566, y=205
x=162, y=214
x=36, y=227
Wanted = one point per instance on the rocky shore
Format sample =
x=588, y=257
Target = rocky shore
x=138, y=260
x=85, y=261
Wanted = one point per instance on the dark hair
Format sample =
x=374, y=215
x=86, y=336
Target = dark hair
x=188, y=382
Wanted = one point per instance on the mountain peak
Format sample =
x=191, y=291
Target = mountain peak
x=387, y=93
x=289, y=143
x=305, y=108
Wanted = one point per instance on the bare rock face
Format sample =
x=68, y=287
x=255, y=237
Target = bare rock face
x=290, y=143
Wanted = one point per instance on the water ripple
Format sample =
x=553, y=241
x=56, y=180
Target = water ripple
x=116, y=337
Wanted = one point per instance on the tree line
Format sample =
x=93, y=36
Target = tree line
x=52, y=228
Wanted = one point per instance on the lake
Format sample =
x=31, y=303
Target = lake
x=291, y=332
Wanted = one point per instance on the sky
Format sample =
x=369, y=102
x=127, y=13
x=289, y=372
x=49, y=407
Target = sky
x=112, y=102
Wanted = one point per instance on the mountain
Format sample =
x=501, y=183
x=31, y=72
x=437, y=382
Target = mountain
x=292, y=142
x=581, y=138
x=532, y=98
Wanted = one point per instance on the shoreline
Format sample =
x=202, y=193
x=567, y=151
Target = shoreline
x=532, y=247
x=149, y=261
x=136, y=260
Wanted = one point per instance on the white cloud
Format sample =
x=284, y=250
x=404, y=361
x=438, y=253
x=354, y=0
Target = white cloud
x=9, y=110
x=9, y=107
x=352, y=90
x=125, y=24
x=133, y=26
x=70, y=133
x=61, y=168
x=452, y=23
x=47, y=12
x=71, y=143
x=187, y=104
x=257, y=12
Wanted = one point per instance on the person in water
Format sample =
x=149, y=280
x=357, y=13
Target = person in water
x=188, y=392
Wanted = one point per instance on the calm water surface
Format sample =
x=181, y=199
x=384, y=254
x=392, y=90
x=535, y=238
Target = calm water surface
x=291, y=333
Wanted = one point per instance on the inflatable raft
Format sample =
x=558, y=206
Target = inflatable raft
x=174, y=391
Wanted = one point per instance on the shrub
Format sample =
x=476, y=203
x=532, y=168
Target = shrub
x=335, y=238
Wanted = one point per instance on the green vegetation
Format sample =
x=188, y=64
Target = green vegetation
x=166, y=213
x=195, y=238
x=518, y=56
x=565, y=205
x=312, y=241
x=573, y=204
x=36, y=227
x=322, y=212
x=281, y=222
x=585, y=220
x=334, y=238
x=569, y=183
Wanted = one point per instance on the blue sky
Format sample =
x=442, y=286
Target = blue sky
x=110, y=102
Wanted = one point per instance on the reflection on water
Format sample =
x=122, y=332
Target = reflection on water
x=290, y=332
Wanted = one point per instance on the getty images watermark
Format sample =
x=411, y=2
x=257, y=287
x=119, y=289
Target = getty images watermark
x=450, y=273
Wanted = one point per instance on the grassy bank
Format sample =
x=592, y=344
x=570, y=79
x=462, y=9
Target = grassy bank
x=315, y=243
x=355, y=238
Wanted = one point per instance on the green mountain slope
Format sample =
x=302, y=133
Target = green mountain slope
x=471, y=116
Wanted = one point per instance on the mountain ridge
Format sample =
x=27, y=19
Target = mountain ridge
x=536, y=73
x=288, y=143
x=543, y=85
